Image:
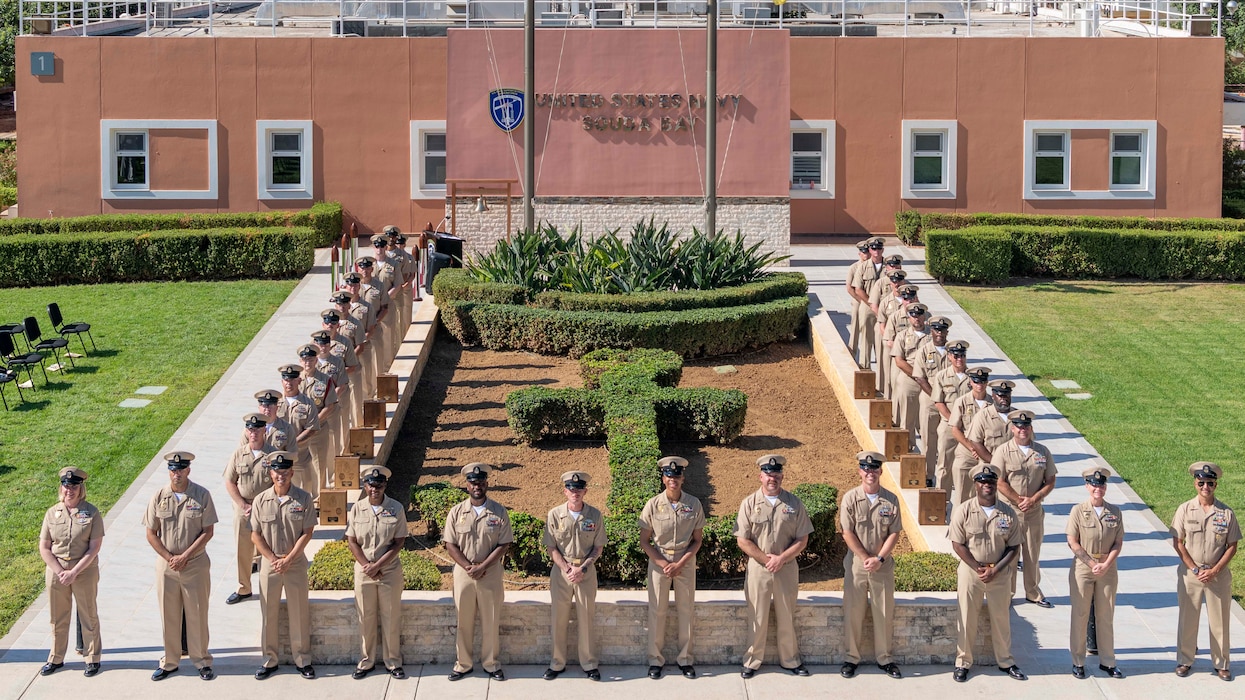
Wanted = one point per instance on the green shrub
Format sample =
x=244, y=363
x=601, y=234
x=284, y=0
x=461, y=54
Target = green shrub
x=527, y=553
x=8, y=197
x=456, y=284
x=665, y=368
x=925, y=571
x=949, y=221
x=332, y=569
x=623, y=559
x=777, y=285
x=720, y=555
x=431, y=503
x=822, y=503
x=208, y=254
x=981, y=254
x=908, y=226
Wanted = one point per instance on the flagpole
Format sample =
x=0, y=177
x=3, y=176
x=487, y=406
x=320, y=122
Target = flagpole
x=529, y=114
x=711, y=119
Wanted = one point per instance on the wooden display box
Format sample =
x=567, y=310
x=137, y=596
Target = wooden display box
x=362, y=443
x=333, y=507
x=387, y=387
x=896, y=444
x=880, y=414
x=912, y=471
x=374, y=414
x=866, y=381
x=932, y=507
x=346, y=472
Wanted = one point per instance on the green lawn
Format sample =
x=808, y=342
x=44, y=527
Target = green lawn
x=180, y=335
x=1162, y=362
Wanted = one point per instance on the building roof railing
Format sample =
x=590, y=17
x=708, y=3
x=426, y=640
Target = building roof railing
x=1144, y=18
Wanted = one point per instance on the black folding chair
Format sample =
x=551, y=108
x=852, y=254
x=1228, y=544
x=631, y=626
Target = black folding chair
x=35, y=339
x=77, y=328
x=8, y=375
x=18, y=360
x=16, y=330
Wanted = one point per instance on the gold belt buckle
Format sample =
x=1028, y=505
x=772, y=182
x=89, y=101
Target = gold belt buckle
x=575, y=562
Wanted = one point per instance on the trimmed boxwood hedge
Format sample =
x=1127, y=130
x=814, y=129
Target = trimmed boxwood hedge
x=323, y=218
x=925, y=571
x=911, y=225
x=8, y=197
x=332, y=569
x=977, y=255
x=210, y=254
x=431, y=503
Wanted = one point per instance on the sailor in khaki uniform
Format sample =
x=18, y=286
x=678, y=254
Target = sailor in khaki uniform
x=69, y=543
x=341, y=348
x=335, y=367
x=772, y=529
x=896, y=322
x=887, y=301
x=283, y=519
x=866, y=275
x=672, y=526
x=405, y=264
x=246, y=477
x=853, y=330
x=963, y=411
x=1095, y=535
x=574, y=537
x=1206, y=533
x=389, y=279
x=351, y=327
x=905, y=396
x=180, y=519
x=278, y=434
x=984, y=535
x=949, y=384
x=304, y=419
x=374, y=292
x=321, y=390
x=375, y=533
x=932, y=357
x=362, y=313
x=990, y=427
x=870, y=520
x=477, y=535
x=1028, y=476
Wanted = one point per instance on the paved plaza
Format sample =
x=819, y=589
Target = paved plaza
x=1145, y=617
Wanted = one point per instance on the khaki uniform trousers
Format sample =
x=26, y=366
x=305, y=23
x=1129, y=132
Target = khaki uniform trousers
x=943, y=478
x=390, y=327
x=353, y=411
x=1084, y=590
x=970, y=592
x=408, y=308
x=185, y=592
x=659, y=585
x=760, y=588
x=246, y=550
x=294, y=583
x=486, y=595
x=342, y=422
x=905, y=393
x=1033, y=528
x=885, y=366
x=1218, y=595
x=379, y=603
x=853, y=328
x=380, y=345
x=310, y=473
x=961, y=478
x=61, y=600
x=875, y=591
x=584, y=594
x=929, y=424
x=368, y=371
x=866, y=336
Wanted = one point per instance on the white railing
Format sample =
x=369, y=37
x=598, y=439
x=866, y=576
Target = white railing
x=827, y=17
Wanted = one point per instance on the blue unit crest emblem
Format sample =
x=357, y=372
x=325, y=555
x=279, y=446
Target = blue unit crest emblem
x=506, y=106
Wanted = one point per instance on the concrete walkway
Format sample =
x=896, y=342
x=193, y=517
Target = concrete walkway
x=1145, y=620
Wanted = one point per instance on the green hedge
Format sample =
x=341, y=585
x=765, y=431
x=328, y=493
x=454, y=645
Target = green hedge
x=211, y=254
x=323, y=218
x=822, y=502
x=691, y=333
x=527, y=552
x=976, y=254
x=332, y=569
x=431, y=503
x=925, y=571
x=910, y=225
x=8, y=197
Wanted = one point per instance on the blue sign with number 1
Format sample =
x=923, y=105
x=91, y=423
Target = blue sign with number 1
x=42, y=63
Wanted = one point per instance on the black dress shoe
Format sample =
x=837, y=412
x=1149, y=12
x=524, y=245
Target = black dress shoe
x=264, y=672
x=459, y=675
x=747, y=672
x=593, y=674
x=49, y=668
x=235, y=598
x=1092, y=651
x=1014, y=671
x=1041, y=603
x=161, y=674
x=891, y=670
x=1112, y=671
x=91, y=670
x=1183, y=670
x=397, y=673
x=306, y=671
x=798, y=670
x=960, y=674
x=1078, y=671
x=497, y=675
x=206, y=673
x=688, y=671
x=551, y=674
x=654, y=672
x=848, y=669
x=360, y=673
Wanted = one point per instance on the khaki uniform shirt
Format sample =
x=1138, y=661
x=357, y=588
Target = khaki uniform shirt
x=70, y=530
x=989, y=428
x=301, y=415
x=963, y=412
x=352, y=328
x=948, y=385
x=318, y=388
x=406, y=262
x=897, y=321
x=1097, y=534
x=281, y=524
x=986, y=536
x=930, y=360
x=477, y=535
x=375, y=530
x=908, y=345
x=772, y=528
x=872, y=522
x=672, y=523
x=1025, y=473
x=248, y=472
x=376, y=300
x=363, y=313
x=866, y=276
x=342, y=348
x=178, y=523
x=575, y=539
x=334, y=368
x=1205, y=535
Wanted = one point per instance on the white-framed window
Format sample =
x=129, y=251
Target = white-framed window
x=929, y=168
x=126, y=158
x=284, y=158
x=428, y=158
x=1127, y=159
x=812, y=158
x=1048, y=159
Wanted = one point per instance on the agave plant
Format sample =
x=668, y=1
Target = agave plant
x=529, y=258
x=711, y=262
